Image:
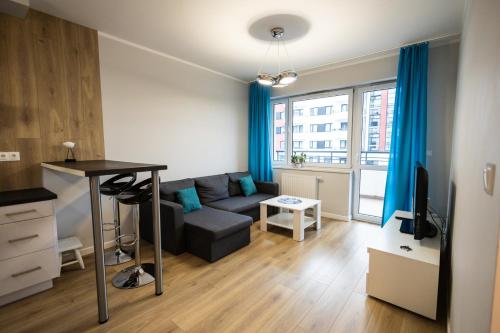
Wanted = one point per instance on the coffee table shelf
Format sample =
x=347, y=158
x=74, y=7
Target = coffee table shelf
x=285, y=220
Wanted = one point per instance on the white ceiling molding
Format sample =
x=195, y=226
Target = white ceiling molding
x=433, y=42
x=167, y=56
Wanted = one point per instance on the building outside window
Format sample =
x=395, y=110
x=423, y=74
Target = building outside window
x=377, y=126
x=315, y=123
x=279, y=137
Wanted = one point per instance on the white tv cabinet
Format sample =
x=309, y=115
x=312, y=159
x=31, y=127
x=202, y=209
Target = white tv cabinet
x=408, y=279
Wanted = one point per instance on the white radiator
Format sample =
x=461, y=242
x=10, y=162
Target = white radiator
x=299, y=185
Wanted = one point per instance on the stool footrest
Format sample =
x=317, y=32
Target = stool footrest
x=132, y=243
x=109, y=226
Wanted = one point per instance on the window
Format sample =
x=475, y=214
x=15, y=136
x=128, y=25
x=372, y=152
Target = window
x=320, y=144
x=321, y=111
x=279, y=137
x=321, y=127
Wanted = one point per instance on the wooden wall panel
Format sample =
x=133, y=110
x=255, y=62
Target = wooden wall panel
x=50, y=92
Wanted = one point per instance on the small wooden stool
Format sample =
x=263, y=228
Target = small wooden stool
x=70, y=244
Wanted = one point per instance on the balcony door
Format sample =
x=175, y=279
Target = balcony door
x=374, y=108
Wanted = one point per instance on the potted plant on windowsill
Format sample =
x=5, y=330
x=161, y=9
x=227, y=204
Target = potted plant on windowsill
x=298, y=160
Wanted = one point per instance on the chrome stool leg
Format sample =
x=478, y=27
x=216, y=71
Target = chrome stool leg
x=117, y=256
x=140, y=274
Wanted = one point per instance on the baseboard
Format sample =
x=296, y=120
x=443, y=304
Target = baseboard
x=336, y=216
x=23, y=293
x=89, y=250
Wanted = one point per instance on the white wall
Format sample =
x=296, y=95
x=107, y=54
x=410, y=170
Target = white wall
x=476, y=215
x=442, y=81
x=443, y=61
x=157, y=110
x=162, y=111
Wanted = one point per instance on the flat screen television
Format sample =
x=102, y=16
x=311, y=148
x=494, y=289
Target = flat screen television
x=419, y=226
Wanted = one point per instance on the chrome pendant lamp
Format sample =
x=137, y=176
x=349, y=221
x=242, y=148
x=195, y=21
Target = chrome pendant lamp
x=281, y=78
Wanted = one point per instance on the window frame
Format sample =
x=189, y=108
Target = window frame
x=285, y=131
x=288, y=101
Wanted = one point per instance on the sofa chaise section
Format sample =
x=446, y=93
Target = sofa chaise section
x=212, y=233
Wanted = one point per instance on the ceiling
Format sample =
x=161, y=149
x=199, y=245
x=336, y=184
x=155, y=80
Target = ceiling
x=215, y=33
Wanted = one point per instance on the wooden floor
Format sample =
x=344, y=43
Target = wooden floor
x=273, y=285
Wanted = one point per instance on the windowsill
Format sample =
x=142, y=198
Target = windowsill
x=316, y=169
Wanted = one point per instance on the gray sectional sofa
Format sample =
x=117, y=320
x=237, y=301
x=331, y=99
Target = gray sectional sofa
x=219, y=228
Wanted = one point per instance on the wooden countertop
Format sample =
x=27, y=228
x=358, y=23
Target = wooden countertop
x=100, y=167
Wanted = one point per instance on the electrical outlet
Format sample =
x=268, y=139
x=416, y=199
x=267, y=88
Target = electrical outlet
x=4, y=156
x=14, y=156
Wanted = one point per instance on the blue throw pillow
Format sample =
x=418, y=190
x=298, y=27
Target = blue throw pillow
x=247, y=186
x=188, y=199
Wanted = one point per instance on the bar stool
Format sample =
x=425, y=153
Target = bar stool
x=139, y=274
x=112, y=187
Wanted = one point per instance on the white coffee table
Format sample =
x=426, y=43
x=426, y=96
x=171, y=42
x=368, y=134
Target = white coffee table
x=295, y=221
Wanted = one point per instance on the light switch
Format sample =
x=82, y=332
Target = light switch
x=4, y=156
x=489, y=178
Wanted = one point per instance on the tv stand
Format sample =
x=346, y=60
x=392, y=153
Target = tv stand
x=404, y=271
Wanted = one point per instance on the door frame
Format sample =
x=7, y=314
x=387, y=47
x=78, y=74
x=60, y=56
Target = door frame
x=356, y=149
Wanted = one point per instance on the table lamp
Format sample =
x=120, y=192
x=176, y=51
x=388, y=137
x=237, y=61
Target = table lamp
x=70, y=155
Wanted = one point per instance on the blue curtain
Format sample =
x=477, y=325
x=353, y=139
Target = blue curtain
x=409, y=130
x=259, y=132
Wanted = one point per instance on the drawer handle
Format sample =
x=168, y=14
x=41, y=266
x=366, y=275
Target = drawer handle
x=26, y=271
x=21, y=213
x=23, y=238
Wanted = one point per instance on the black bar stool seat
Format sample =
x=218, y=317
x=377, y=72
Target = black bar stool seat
x=117, y=184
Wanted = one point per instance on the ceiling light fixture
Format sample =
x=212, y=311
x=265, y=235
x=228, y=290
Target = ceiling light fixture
x=282, y=78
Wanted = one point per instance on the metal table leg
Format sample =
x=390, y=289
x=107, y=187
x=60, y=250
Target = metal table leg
x=157, y=233
x=100, y=272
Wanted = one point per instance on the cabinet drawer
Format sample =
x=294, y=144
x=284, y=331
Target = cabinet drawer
x=28, y=211
x=24, y=237
x=27, y=270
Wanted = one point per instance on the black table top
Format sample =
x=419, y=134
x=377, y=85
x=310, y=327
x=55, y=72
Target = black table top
x=16, y=197
x=100, y=167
